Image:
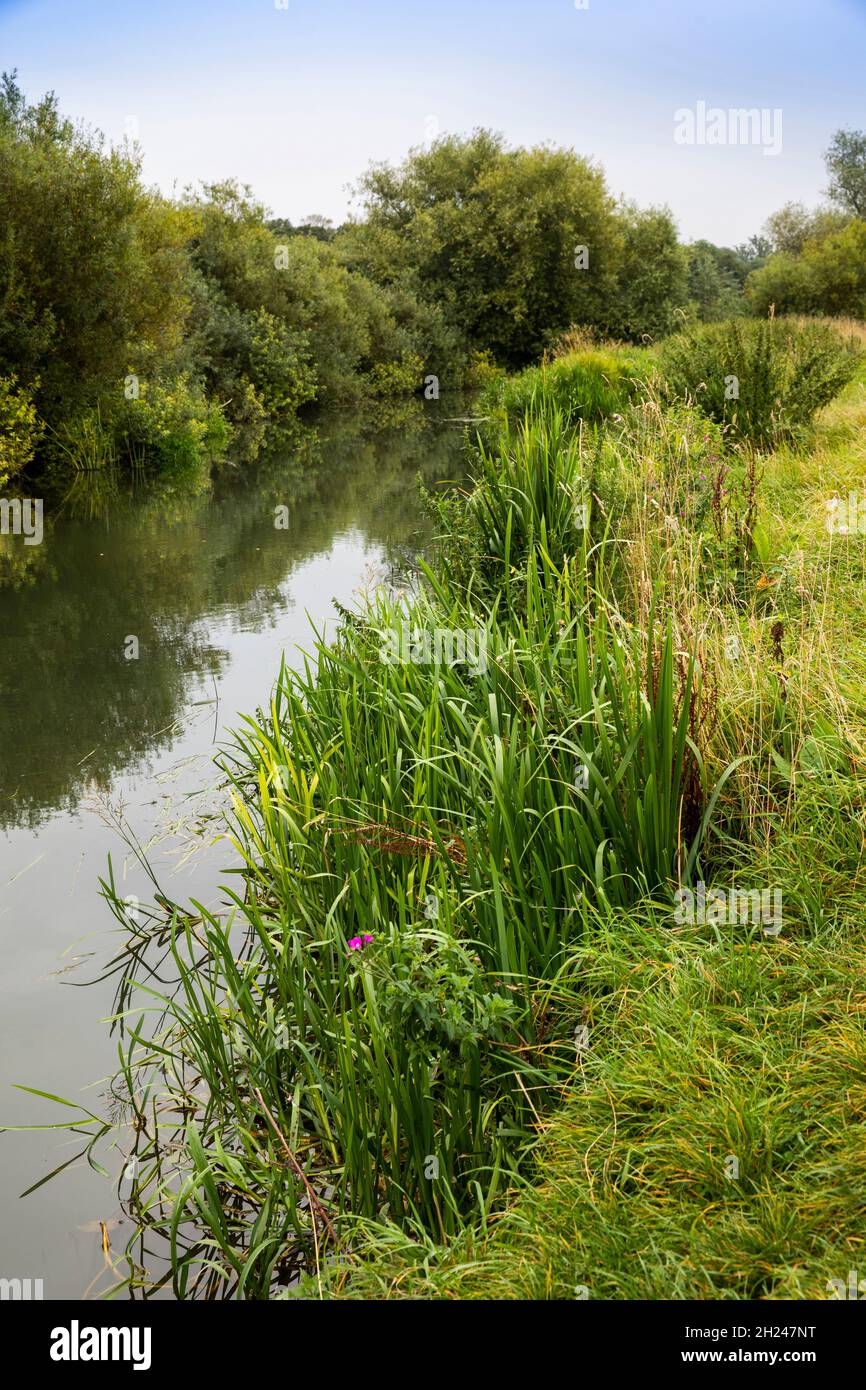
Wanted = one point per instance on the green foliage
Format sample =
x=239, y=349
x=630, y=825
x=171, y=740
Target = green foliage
x=588, y=385
x=650, y=290
x=763, y=379
x=786, y=283
x=92, y=265
x=404, y=1064
x=699, y=1049
x=83, y=443
x=846, y=165
x=171, y=431
x=20, y=429
x=433, y=992
x=715, y=282
x=278, y=363
x=98, y=275
x=837, y=266
x=828, y=276
x=491, y=234
x=278, y=320
x=396, y=378
x=794, y=225
x=470, y=252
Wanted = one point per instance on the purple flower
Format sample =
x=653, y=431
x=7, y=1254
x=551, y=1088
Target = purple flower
x=357, y=943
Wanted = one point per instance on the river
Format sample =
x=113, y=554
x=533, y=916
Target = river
x=95, y=726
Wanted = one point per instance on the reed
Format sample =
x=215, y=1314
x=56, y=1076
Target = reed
x=378, y=1021
x=459, y=829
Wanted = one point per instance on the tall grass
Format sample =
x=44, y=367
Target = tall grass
x=590, y=384
x=451, y=861
x=378, y=1021
x=712, y=1144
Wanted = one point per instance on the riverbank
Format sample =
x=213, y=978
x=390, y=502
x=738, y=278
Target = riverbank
x=215, y=594
x=712, y=1145
x=456, y=871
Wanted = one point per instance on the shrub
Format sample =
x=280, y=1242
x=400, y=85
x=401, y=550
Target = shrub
x=397, y=378
x=763, y=379
x=171, y=430
x=279, y=365
x=20, y=429
x=588, y=385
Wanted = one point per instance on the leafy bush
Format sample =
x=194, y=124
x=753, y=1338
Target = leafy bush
x=587, y=385
x=279, y=364
x=819, y=268
x=763, y=379
x=92, y=263
x=397, y=378
x=433, y=994
x=171, y=430
x=20, y=429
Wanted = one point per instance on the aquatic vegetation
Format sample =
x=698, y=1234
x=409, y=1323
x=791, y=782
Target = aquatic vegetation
x=390, y=998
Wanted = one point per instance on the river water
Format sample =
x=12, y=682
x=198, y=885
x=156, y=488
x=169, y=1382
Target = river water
x=213, y=591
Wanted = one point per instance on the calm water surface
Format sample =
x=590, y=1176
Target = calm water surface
x=214, y=593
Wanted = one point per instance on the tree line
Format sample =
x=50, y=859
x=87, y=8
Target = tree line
x=160, y=333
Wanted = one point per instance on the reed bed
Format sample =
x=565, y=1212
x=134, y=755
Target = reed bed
x=367, y=1074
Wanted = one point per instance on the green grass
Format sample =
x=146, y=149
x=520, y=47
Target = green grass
x=706, y=1045
x=714, y=1148
x=589, y=385
x=450, y=870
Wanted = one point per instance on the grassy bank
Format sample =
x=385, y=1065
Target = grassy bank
x=451, y=1036
x=713, y=1147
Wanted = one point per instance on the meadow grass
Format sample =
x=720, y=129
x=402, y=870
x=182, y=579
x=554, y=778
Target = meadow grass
x=713, y=1147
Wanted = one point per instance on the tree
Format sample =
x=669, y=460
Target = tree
x=92, y=265
x=794, y=225
x=322, y=228
x=846, y=165
x=838, y=265
x=786, y=284
x=716, y=275
x=754, y=252
x=513, y=244
x=651, y=288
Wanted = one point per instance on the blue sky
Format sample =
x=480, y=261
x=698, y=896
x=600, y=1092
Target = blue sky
x=297, y=101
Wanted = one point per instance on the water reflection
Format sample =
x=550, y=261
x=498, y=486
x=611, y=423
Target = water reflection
x=74, y=710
